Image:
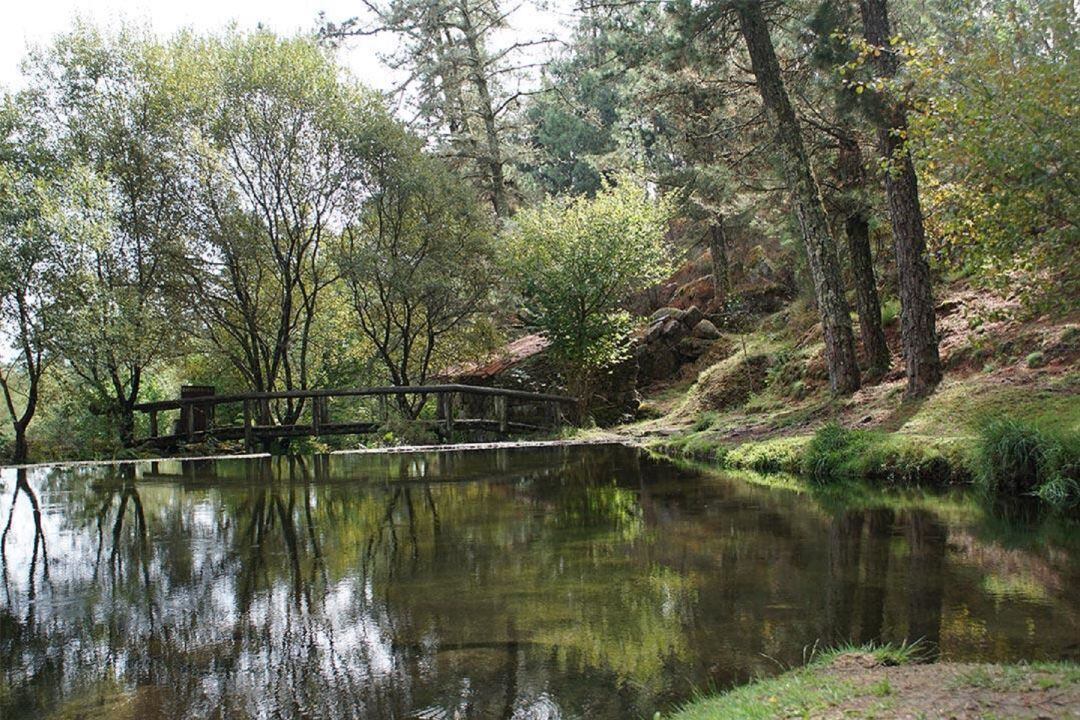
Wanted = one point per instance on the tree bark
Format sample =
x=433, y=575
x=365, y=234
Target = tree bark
x=486, y=109
x=820, y=248
x=857, y=231
x=21, y=452
x=918, y=333
x=718, y=251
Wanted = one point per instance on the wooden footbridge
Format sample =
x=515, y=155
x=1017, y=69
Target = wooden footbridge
x=257, y=418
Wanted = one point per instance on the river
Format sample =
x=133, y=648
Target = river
x=562, y=582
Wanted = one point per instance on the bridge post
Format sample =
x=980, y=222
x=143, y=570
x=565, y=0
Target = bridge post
x=383, y=413
x=153, y=424
x=316, y=411
x=501, y=414
x=191, y=422
x=249, y=439
x=446, y=402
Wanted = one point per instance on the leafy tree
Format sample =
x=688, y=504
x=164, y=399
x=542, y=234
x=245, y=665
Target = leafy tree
x=281, y=139
x=43, y=209
x=997, y=147
x=417, y=259
x=576, y=259
x=111, y=101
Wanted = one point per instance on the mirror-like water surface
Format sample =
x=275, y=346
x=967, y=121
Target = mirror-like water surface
x=532, y=583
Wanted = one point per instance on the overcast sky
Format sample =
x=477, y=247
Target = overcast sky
x=29, y=22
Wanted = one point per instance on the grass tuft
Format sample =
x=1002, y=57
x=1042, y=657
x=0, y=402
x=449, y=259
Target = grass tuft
x=1015, y=460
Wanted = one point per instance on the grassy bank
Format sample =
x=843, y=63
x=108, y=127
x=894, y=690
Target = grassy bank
x=888, y=682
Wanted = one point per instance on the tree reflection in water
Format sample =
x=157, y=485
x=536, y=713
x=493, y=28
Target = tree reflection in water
x=566, y=582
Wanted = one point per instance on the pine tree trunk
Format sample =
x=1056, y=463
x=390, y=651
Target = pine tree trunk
x=857, y=231
x=718, y=250
x=918, y=333
x=820, y=248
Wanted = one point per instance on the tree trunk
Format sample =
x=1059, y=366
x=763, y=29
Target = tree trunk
x=486, y=110
x=919, y=336
x=21, y=451
x=824, y=266
x=718, y=250
x=857, y=231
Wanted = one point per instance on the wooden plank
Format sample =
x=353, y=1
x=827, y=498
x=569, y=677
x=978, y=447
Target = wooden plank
x=501, y=414
x=249, y=438
x=352, y=392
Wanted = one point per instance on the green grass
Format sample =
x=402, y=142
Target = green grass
x=1014, y=460
x=808, y=692
x=798, y=693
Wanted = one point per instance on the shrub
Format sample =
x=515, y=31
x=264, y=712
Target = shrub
x=1015, y=460
x=890, y=311
x=1036, y=359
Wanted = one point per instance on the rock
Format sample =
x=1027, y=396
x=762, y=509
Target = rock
x=692, y=347
x=705, y=330
x=672, y=331
x=667, y=312
x=656, y=362
x=653, y=333
x=692, y=316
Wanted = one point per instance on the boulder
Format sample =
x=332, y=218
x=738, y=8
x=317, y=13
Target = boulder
x=692, y=348
x=667, y=312
x=706, y=331
x=672, y=331
x=692, y=316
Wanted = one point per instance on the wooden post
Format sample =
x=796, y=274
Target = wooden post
x=316, y=412
x=249, y=439
x=153, y=424
x=501, y=414
x=383, y=413
x=324, y=408
x=191, y=422
x=264, y=411
x=556, y=414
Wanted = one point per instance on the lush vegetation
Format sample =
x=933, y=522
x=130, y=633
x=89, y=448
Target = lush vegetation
x=234, y=209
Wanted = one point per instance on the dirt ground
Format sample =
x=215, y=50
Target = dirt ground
x=957, y=691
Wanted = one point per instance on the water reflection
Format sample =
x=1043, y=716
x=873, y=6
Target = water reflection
x=567, y=582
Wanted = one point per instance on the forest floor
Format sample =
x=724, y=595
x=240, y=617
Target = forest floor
x=863, y=684
x=756, y=402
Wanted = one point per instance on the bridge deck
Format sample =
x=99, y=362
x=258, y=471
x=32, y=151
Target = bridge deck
x=310, y=410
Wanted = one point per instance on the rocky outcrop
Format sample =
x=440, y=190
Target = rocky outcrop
x=674, y=337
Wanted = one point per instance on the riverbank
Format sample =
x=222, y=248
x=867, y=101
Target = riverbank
x=757, y=400
x=868, y=683
x=885, y=683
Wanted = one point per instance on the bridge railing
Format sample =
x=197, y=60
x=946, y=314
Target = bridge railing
x=312, y=412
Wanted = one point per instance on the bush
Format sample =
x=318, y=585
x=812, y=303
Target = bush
x=1036, y=359
x=1015, y=460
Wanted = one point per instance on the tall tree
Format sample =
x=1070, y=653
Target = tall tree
x=44, y=209
x=281, y=140
x=824, y=266
x=918, y=332
x=852, y=176
x=110, y=101
x=417, y=262
x=464, y=84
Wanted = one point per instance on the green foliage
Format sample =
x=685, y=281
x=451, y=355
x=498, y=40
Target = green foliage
x=1036, y=359
x=574, y=261
x=1014, y=460
x=998, y=148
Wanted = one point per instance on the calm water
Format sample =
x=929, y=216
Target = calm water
x=542, y=583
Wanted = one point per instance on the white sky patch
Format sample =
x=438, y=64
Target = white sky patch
x=35, y=22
